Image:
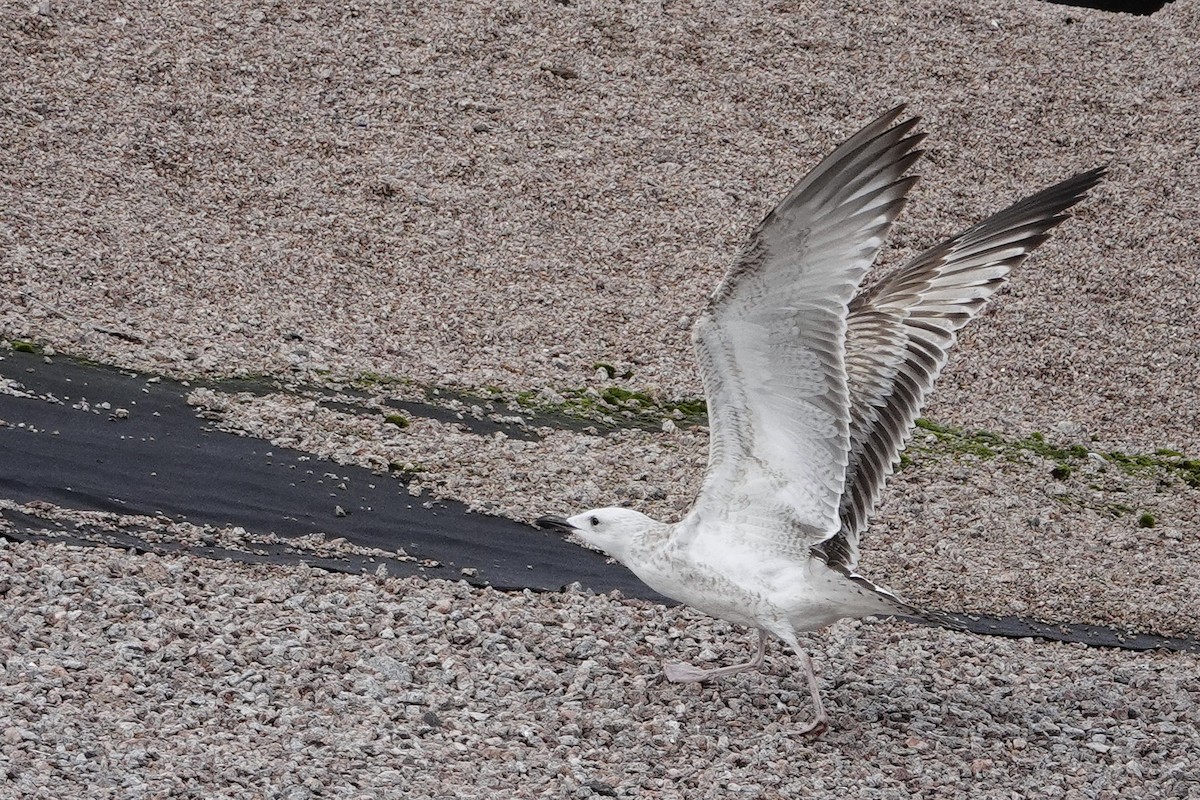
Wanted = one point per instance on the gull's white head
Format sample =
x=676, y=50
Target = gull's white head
x=614, y=530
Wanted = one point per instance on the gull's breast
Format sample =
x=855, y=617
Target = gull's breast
x=745, y=594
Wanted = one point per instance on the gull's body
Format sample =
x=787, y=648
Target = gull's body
x=812, y=393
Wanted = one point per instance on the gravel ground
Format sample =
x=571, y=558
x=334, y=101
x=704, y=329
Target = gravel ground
x=508, y=193
x=140, y=676
x=504, y=195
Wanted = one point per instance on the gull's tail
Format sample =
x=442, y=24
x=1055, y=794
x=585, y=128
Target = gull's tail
x=890, y=603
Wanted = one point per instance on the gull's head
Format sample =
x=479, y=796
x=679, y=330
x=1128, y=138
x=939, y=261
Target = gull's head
x=614, y=530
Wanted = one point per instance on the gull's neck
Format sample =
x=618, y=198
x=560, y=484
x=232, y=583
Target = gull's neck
x=644, y=544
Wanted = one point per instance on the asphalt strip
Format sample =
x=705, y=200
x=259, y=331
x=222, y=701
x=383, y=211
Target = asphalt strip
x=62, y=442
x=162, y=460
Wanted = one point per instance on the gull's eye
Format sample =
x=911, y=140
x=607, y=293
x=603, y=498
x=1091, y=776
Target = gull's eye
x=595, y=521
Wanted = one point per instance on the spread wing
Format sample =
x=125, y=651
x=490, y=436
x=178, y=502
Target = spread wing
x=770, y=346
x=900, y=332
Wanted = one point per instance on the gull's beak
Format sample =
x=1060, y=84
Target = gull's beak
x=555, y=522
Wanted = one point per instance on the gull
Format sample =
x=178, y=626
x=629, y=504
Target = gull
x=813, y=387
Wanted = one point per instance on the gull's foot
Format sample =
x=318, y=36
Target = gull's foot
x=685, y=673
x=812, y=729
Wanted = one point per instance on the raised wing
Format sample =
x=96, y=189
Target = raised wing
x=770, y=347
x=900, y=332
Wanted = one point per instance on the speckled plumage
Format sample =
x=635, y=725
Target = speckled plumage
x=812, y=393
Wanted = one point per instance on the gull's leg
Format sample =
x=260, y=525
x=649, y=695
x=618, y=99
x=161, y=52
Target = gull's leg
x=819, y=723
x=686, y=673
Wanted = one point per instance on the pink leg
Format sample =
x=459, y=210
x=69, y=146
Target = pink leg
x=686, y=673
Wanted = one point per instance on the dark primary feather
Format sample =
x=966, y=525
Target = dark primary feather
x=900, y=332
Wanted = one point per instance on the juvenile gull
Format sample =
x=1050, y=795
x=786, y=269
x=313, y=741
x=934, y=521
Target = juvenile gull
x=813, y=388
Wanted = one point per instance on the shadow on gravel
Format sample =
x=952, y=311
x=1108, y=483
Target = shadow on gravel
x=66, y=445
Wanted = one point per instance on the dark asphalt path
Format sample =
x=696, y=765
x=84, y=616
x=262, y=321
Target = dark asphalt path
x=164, y=460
